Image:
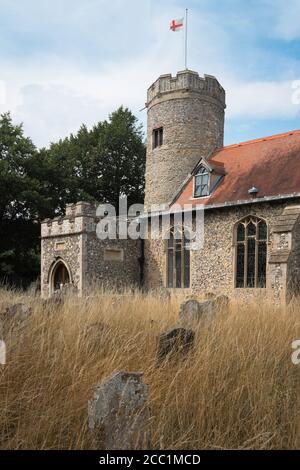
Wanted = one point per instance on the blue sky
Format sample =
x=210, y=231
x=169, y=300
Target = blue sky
x=65, y=62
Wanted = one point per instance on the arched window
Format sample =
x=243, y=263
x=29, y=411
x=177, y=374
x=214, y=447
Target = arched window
x=60, y=276
x=251, y=252
x=178, y=259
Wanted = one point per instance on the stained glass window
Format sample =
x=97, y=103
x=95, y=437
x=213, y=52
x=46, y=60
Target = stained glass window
x=178, y=259
x=251, y=253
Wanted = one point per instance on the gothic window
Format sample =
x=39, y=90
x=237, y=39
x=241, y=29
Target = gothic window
x=178, y=259
x=251, y=253
x=201, y=183
x=157, y=137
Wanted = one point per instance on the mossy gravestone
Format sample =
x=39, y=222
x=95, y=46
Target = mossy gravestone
x=14, y=318
x=118, y=415
x=174, y=343
x=193, y=311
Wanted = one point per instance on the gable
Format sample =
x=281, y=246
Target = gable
x=272, y=165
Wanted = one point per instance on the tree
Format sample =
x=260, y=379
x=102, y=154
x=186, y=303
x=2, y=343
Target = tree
x=102, y=164
x=19, y=201
x=119, y=157
x=96, y=165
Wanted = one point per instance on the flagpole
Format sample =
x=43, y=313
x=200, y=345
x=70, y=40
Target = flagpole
x=186, y=28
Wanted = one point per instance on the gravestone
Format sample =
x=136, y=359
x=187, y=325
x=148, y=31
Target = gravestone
x=193, y=311
x=175, y=342
x=14, y=318
x=118, y=415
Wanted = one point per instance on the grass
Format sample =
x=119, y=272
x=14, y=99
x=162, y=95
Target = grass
x=237, y=389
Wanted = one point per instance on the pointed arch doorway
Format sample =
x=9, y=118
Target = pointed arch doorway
x=60, y=276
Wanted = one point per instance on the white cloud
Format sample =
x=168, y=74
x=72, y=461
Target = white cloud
x=52, y=104
x=81, y=60
x=54, y=98
x=261, y=100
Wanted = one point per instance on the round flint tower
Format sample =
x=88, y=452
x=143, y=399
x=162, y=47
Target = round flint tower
x=185, y=123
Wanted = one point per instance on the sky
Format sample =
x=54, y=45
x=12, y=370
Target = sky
x=68, y=62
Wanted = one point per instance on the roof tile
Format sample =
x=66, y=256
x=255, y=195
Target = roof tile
x=271, y=164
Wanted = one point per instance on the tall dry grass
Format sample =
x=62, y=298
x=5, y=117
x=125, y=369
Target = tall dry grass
x=237, y=388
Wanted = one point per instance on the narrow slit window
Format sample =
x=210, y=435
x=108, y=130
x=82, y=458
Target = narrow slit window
x=158, y=137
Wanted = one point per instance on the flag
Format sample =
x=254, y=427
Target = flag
x=176, y=25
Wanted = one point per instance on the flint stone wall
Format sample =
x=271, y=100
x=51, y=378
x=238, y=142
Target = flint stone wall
x=191, y=111
x=71, y=255
x=73, y=239
x=213, y=266
x=113, y=273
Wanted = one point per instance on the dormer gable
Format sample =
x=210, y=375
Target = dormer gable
x=269, y=164
x=206, y=176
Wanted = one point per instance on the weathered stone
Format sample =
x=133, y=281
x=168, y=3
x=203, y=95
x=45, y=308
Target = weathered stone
x=118, y=415
x=191, y=111
x=193, y=311
x=14, y=318
x=20, y=311
x=89, y=260
x=177, y=341
x=53, y=302
x=212, y=268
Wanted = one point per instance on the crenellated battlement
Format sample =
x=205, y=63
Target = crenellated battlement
x=80, y=217
x=80, y=209
x=185, y=81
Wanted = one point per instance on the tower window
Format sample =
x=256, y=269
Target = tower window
x=201, y=183
x=158, y=137
x=178, y=259
x=251, y=253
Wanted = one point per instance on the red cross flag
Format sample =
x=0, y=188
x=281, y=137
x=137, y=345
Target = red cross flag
x=176, y=25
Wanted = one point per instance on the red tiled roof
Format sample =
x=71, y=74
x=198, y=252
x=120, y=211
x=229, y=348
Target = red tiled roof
x=271, y=164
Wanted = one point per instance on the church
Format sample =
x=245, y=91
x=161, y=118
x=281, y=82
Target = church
x=250, y=194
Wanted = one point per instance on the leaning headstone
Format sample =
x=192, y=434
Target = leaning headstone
x=189, y=312
x=174, y=343
x=53, y=303
x=193, y=311
x=14, y=318
x=118, y=415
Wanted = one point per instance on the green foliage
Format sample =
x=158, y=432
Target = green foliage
x=101, y=164
x=96, y=165
x=19, y=205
